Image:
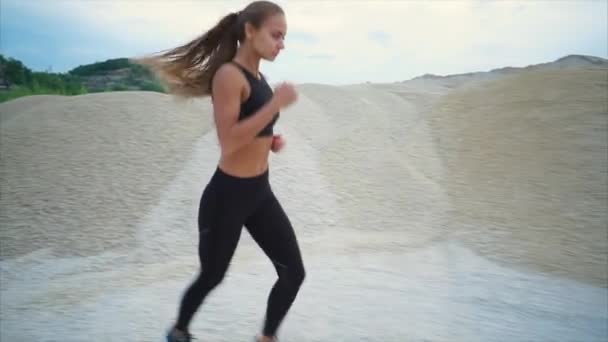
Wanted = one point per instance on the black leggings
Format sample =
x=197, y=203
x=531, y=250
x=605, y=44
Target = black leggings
x=228, y=203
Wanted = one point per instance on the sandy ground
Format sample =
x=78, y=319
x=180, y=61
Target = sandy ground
x=445, y=209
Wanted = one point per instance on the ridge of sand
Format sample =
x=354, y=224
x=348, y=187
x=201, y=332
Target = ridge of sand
x=526, y=165
x=77, y=172
x=473, y=208
x=513, y=165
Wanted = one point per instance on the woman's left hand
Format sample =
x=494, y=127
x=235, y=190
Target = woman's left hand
x=278, y=142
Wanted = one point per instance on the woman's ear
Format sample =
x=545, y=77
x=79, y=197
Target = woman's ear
x=249, y=31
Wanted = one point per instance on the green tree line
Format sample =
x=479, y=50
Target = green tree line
x=17, y=80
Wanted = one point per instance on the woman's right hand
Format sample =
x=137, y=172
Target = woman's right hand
x=285, y=94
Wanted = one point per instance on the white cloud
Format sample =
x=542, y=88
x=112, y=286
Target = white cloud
x=337, y=37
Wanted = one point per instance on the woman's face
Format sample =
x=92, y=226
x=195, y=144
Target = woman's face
x=268, y=40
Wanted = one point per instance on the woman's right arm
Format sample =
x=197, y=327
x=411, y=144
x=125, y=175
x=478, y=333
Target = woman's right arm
x=234, y=134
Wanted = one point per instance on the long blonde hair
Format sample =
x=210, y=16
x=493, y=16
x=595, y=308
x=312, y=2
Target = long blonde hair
x=187, y=70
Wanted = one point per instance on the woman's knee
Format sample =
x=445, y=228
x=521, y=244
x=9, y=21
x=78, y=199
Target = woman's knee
x=293, y=275
x=299, y=274
x=210, y=279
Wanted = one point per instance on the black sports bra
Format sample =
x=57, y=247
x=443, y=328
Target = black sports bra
x=259, y=95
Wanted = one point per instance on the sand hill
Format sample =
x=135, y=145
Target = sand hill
x=510, y=164
x=78, y=172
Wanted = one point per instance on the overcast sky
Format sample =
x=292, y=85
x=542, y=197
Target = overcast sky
x=333, y=42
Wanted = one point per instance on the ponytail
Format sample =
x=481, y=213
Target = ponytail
x=187, y=70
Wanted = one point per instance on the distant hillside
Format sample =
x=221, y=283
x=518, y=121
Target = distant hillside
x=116, y=74
x=17, y=80
x=570, y=61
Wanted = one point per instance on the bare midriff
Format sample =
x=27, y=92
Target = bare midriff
x=249, y=161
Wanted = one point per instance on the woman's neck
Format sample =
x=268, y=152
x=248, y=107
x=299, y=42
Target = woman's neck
x=248, y=59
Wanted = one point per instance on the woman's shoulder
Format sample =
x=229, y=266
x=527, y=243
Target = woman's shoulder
x=229, y=80
x=228, y=75
x=228, y=70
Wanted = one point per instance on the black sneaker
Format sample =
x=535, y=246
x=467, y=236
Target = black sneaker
x=172, y=336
